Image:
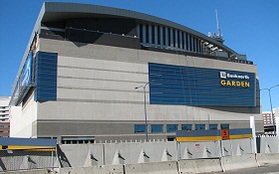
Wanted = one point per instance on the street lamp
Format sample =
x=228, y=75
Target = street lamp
x=270, y=101
x=145, y=111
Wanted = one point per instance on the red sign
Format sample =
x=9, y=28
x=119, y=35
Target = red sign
x=225, y=134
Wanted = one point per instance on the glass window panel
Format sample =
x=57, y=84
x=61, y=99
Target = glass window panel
x=172, y=127
x=200, y=126
x=156, y=128
x=225, y=126
x=213, y=126
x=139, y=128
x=186, y=127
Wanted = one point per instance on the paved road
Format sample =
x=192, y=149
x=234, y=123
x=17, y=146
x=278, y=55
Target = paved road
x=257, y=170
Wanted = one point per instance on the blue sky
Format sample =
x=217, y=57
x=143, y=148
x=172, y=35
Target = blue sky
x=249, y=27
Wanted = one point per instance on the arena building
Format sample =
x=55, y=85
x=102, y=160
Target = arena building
x=98, y=73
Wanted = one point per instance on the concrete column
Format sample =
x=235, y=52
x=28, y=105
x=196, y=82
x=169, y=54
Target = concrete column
x=252, y=126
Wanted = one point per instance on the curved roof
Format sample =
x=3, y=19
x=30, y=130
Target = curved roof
x=56, y=11
x=59, y=11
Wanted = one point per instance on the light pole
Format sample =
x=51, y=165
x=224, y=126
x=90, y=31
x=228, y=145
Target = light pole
x=270, y=101
x=145, y=110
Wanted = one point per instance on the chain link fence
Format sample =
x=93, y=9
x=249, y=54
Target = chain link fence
x=12, y=160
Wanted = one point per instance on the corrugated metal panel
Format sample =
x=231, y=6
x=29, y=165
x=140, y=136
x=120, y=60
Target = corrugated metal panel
x=46, y=76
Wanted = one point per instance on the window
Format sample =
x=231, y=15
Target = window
x=139, y=128
x=159, y=34
x=156, y=128
x=200, y=126
x=213, y=126
x=147, y=34
x=153, y=34
x=191, y=42
x=225, y=126
x=172, y=127
x=164, y=36
x=186, y=127
x=140, y=33
x=169, y=36
x=187, y=42
x=173, y=38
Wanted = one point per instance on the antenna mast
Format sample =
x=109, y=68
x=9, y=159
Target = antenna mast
x=218, y=24
x=219, y=36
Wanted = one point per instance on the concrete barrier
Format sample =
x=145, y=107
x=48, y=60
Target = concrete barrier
x=168, y=167
x=242, y=146
x=107, y=169
x=35, y=171
x=200, y=149
x=139, y=152
x=265, y=159
x=239, y=162
x=88, y=154
x=269, y=144
x=199, y=165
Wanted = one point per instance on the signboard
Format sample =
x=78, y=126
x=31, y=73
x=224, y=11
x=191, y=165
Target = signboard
x=212, y=135
x=225, y=134
x=26, y=74
x=194, y=86
x=24, y=81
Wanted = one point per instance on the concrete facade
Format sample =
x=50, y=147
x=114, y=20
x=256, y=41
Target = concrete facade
x=4, y=116
x=96, y=95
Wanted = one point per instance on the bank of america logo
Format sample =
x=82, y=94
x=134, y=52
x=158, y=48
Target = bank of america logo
x=223, y=75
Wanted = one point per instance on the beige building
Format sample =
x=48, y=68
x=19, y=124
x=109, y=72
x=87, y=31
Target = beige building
x=4, y=117
x=100, y=73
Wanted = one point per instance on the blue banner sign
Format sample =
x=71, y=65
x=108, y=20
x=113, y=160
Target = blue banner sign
x=194, y=86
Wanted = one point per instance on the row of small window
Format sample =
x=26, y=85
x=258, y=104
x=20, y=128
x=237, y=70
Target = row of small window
x=4, y=126
x=159, y=128
x=4, y=107
x=4, y=131
x=170, y=37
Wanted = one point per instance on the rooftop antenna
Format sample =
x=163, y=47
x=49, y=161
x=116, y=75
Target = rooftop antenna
x=218, y=25
x=217, y=36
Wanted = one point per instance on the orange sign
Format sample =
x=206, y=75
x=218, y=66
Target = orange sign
x=225, y=134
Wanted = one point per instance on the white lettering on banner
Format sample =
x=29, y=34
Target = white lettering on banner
x=237, y=80
x=225, y=75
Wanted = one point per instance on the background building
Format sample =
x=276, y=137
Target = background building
x=270, y=125
x=78, y=77
x=267, y=118
x=4, y=117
